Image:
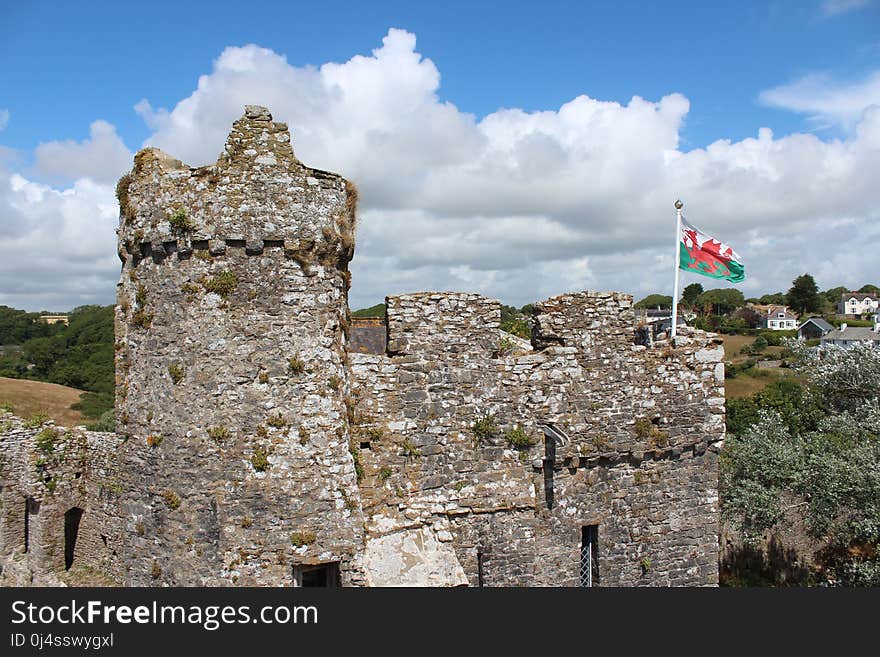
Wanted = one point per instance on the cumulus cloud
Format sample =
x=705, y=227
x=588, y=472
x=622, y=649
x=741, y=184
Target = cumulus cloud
x=519, y=204
x=825, y=102
x=524, y=205
x=57, y=247
x=103, y=157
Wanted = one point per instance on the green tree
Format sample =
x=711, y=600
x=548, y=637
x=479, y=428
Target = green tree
x=654, y=301
x=722, y=300
x=803, y=297
x=777, y=299
x=812, y=456
x=690, y=294
x=869, y=289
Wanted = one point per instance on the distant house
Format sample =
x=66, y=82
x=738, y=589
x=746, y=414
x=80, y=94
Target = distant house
x=814, y=328
x=847, y=336
x=779, y=318
x=54, y=319
x=856, y=305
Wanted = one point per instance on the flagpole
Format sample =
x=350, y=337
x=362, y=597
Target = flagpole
x=678, y=207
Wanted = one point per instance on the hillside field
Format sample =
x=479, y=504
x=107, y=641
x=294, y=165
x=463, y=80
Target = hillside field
x=27, y=398
x=745, y=384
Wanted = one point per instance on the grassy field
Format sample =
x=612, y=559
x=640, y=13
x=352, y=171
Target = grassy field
x=27, y=398
x=748, y=384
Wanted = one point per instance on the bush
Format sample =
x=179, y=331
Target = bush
x=106, y=423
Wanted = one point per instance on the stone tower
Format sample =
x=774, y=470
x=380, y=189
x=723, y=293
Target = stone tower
x=231, y=386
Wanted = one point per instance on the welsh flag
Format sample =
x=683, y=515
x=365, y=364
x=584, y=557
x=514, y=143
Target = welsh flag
x=705, y=255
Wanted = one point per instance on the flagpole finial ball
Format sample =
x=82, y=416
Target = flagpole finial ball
x=679, y=205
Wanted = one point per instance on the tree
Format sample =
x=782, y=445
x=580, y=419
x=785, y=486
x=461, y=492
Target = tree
x=750, y=316
x=812, y=456
x=722, y=300
x=654, y=301
x=803, y=297
x=690, y=294
x=777, y=299
x=869, y=289
x=833, y=295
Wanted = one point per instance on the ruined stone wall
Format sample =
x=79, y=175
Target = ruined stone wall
x=445, y=425
x=230, y=364
x=45, y=473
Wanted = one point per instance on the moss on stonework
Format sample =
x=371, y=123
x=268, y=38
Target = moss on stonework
x=277, y=421
x=223, y=283
x=303, y=537
x=485, y=428
x=260, y=460
x=296, y=365
x=356, y=457
x=218, y=434
x=172, y=499
x=180, y=222
x=142, y=319
x=175, y=371
x=519, y=438
x=122, y=196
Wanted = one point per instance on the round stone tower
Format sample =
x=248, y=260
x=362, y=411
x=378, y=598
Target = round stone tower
x=232, y=389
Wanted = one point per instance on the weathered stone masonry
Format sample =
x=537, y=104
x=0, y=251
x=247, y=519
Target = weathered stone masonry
x=253, y=444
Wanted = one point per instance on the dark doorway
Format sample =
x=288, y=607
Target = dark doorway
x=323, y=575
x=71, y=530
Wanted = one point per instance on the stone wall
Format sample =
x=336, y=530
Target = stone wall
x=450, y=431
x=47, y=476
x=254, y=441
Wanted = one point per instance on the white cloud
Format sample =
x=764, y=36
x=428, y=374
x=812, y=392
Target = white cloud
x=57, y=247
x=4, y=118
x=825, y=102
x=517, y=205
x=102, y=157
x=520, y=204
x=836, y=7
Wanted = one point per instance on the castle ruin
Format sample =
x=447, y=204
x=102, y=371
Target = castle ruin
x=255, y=446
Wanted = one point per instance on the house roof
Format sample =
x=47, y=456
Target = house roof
x=773, y=311
x=859, y=296
x=819, y=322
x=853, y=334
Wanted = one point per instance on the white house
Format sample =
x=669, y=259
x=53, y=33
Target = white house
x=779, y=318
x=857, y=304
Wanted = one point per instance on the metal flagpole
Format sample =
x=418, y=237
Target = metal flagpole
x=678, y=206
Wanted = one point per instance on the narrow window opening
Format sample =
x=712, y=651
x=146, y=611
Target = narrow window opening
x=71, y=531
x=549, y=463
x=366, y=445
x=480, y=582
x=590, y=555
x=31, y=508
x=322, y=575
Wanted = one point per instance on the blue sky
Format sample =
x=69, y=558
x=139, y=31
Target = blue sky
x=795, y=67
x=67, y=63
